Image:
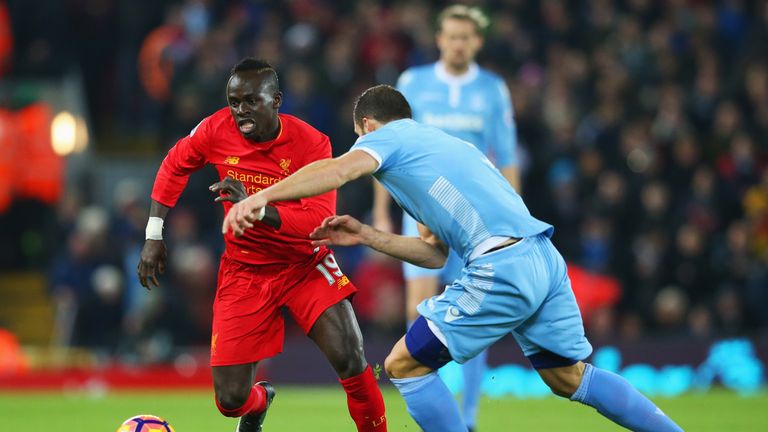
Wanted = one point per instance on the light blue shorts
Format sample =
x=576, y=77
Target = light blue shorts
x=522, y=289
x=450, y=271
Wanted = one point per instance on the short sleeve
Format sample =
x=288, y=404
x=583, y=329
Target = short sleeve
x=381, y=145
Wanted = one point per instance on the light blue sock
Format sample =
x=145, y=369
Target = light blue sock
x=474, y=371
x=430, y=403
x=615, y=398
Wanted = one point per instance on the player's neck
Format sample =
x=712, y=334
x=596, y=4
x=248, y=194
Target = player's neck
x=456, y=70
x=270, y=136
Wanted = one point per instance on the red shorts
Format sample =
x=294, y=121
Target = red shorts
x=247, y=317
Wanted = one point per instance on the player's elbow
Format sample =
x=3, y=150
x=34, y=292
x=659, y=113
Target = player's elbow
x=436, y=261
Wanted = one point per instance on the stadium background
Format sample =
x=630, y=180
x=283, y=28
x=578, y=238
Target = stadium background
x=643, y=135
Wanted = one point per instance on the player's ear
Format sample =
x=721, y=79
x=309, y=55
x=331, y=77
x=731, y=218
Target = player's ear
x=277, y=99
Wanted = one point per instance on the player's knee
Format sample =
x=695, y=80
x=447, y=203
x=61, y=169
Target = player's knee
x=397, y=365
x=231, y=398
x=351, y=363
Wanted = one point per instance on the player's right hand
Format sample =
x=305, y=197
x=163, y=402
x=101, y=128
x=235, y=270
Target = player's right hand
x=229, y=189
x=153, y=259
x=340, y=231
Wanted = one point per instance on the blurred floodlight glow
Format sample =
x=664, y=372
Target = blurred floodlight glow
x=81, y=134
x=64, y=133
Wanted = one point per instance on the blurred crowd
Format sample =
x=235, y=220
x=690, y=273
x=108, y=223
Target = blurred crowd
x=642, y=130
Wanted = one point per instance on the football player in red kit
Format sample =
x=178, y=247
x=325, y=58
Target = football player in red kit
x=273, y=266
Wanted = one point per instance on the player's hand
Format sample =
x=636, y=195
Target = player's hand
x=152, y=261
x=230, y=190
x=243, y=214
x=340, y=231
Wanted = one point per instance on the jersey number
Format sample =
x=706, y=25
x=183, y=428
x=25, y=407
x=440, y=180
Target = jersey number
x=329, y=268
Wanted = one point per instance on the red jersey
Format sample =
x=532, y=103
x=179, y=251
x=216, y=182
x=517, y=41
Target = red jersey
x=217, y=141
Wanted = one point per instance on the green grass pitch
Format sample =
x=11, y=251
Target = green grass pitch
x=324, y=409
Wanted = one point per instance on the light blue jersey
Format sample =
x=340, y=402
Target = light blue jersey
x=448, y=185
x=475, y=107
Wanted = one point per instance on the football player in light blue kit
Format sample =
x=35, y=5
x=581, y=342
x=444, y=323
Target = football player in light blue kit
x=513, y=280
x=471, y=103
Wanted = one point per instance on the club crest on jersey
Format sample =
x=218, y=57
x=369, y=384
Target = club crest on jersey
x=284, y=165
x=231, y=160
x=213, y=343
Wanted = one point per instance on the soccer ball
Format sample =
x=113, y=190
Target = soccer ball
x=145, y=423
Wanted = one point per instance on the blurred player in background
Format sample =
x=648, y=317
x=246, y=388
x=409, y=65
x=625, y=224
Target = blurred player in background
x=274, y=266
x=473, y=104
x=513, y=280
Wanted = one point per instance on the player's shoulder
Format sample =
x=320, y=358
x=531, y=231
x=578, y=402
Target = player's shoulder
x=416, y=73
x=391, y=132
x=489, y=76
x=491, y=80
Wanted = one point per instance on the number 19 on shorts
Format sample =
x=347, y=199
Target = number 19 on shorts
x=330, y=269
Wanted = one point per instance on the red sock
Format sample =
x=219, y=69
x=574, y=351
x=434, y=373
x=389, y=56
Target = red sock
x=366, y=406
x=256, y=403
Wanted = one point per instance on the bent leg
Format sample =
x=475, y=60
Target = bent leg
x=612, y=396
x=338, y=336
x=236, y=393
x=429, y=401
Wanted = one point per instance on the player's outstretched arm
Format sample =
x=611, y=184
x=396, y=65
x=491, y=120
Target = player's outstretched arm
x=154, y=254
x=345, y=230
x=312, y=180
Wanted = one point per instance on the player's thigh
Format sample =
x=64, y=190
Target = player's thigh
x=554, y=336
x=247, y=323
x=338, y=336
x=495, y=294
x=315, y=287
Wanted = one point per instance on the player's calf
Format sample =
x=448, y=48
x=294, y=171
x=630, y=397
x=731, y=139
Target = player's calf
x=563, y=381
x=252, y=421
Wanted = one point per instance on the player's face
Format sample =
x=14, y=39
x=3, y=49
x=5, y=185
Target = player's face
x=253, y=105
x=458, y=42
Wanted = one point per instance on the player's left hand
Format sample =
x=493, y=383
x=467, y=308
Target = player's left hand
x=230, y=190
x=340, y=231
x=243, y=214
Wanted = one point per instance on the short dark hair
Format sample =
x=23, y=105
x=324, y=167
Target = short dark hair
x=383, y=103
x=256, y=65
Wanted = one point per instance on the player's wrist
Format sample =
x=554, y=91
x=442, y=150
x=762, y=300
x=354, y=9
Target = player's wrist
x=368, y=235
x=261, y=213
x=154, y=230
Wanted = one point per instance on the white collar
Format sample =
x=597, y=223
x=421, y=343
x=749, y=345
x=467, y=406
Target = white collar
x=442, y=74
